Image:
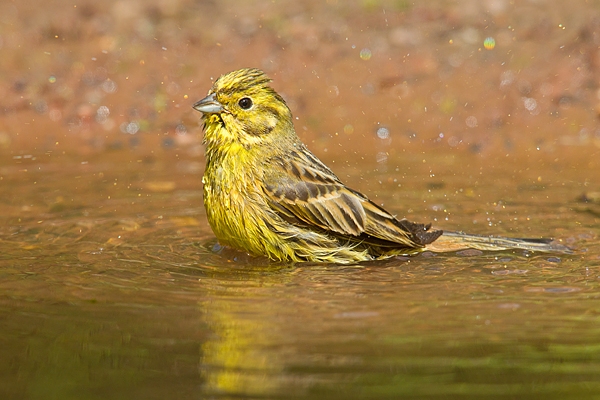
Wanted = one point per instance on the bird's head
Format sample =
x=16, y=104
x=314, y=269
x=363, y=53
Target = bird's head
x=241, y=107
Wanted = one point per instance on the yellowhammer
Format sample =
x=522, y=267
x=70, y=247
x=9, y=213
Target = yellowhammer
x=266, y=193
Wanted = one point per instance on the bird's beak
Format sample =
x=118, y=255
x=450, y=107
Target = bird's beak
x=209, y=105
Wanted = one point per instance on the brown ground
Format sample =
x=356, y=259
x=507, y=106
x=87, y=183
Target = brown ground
x=424, y=73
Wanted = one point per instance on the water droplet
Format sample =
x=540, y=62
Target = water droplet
x=507, y=78
x=103, y=111
x=471, y=121
x=131, y=128
x=365, y=54
x=382, y=157
x=181, y=129
x=383, y=133
x=529, y=103
x=453, y=141
x=109, y=86
x=102, y=114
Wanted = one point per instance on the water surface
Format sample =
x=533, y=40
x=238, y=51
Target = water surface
x=113, y=287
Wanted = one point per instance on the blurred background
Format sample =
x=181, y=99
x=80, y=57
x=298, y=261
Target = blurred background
x=490, y=76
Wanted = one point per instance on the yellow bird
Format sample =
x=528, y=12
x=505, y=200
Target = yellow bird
x=267, y=194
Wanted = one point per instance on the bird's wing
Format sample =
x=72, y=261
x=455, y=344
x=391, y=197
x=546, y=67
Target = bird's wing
x=303, y=191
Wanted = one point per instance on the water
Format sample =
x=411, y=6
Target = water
x=112, y=286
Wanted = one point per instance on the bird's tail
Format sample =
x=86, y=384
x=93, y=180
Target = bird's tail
x=454, y=241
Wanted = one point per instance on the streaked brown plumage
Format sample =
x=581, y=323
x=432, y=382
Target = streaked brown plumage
x=266, y=193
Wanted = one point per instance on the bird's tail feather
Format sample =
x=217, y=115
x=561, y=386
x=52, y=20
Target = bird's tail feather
x=454, y=241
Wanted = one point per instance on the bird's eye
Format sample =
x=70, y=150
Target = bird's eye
x=245, y=103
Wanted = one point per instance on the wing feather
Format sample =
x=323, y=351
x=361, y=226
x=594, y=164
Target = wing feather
x=303, y=191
